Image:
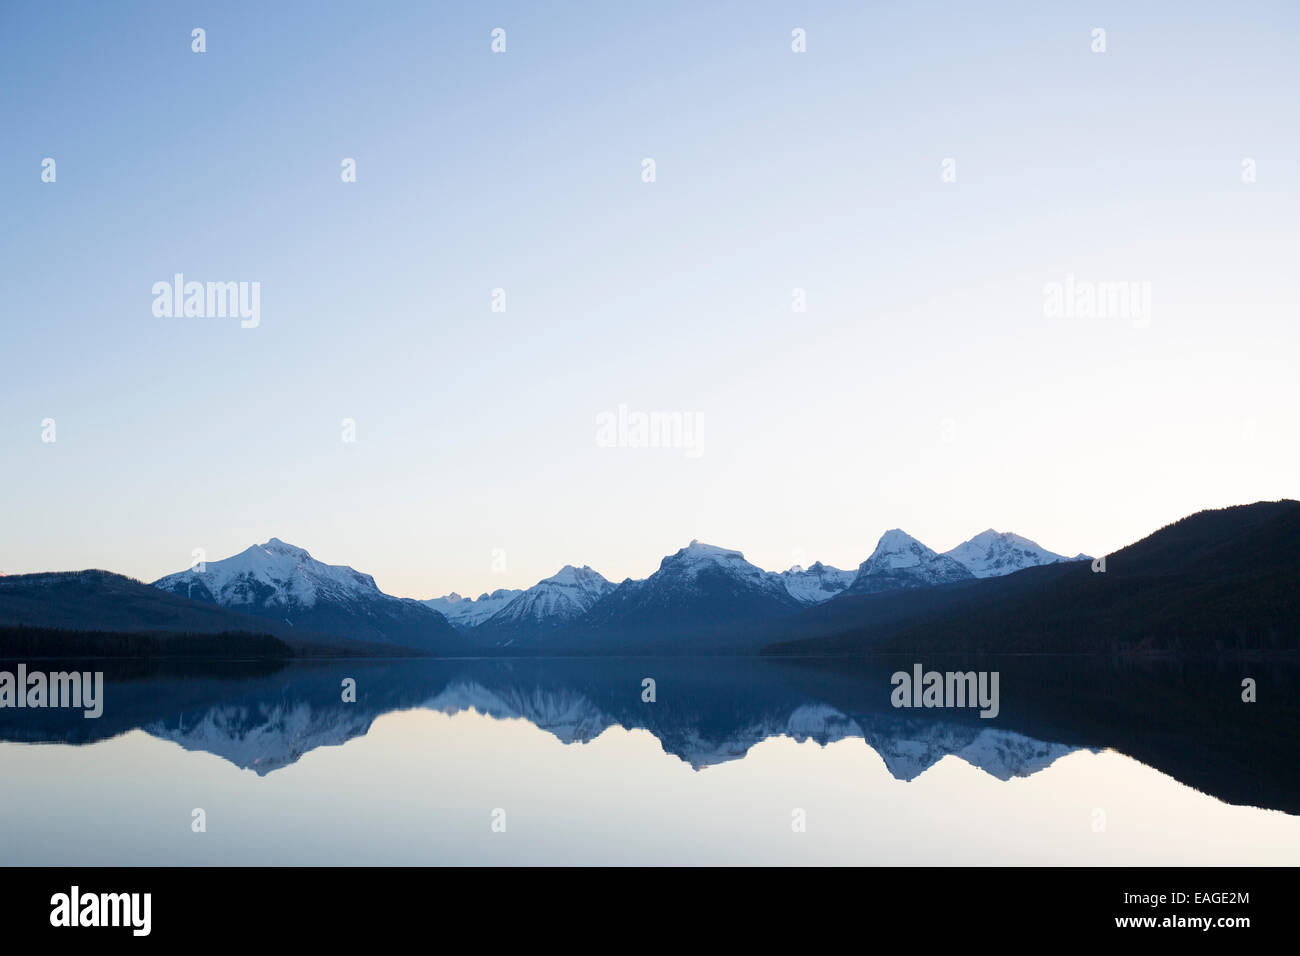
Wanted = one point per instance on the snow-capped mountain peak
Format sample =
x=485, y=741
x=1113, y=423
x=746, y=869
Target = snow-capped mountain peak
x=469, y=612
x=569, y=576
x=274, y=573
x=816, y=584
x=563, y=597
x=283, y=583
x=699, y=551
x=901, y=561
x=276, y=546
x=898, y=549
x=992, y=553
x=697, y=557
x=698, y=586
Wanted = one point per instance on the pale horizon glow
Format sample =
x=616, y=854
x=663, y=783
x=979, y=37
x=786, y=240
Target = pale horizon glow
x=925, y=387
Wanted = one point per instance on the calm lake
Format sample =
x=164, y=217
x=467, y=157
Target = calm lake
x=742, y=761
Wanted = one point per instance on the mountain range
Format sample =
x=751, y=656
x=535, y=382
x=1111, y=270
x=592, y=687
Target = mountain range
x=701, y=596
x=705, y=599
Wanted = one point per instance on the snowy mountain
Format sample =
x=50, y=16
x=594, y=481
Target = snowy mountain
x=700, y=587
x=470, y=612
x=900, y=561
x=991, y=553
x=281, y=582
x=815, y=584
x=274, y=574
x=551, y=602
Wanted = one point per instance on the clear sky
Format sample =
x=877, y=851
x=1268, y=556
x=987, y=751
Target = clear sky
x=926, y=386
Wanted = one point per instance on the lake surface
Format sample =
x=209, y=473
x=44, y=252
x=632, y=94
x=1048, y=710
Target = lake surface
x=735, y=761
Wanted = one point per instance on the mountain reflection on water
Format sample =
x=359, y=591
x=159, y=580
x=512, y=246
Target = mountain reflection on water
x=1187, y=721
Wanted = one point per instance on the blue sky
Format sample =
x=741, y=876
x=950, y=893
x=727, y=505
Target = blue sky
x=923, y=388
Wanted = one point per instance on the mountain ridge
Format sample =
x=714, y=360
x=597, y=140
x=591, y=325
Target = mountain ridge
x=706, y=600
x=1214, y=582
x=284, y=583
